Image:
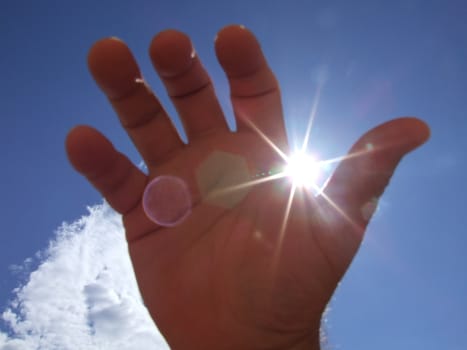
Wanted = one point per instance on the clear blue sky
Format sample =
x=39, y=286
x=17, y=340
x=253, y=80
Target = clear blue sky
x=378, y=59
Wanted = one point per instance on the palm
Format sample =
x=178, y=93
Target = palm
x=260, y=270
x=231, y=253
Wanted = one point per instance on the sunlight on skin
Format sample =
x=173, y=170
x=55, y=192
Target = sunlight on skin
x=285, y=220
x=266, y=139
x=340, y=211
x=302, y=169
x=226, y=190
x=348, y=156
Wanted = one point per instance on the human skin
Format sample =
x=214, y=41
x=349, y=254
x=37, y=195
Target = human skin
x=230, y=277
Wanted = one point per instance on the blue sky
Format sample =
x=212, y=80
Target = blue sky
x=375, y=60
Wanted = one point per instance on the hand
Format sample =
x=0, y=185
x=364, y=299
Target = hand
x=235, y=276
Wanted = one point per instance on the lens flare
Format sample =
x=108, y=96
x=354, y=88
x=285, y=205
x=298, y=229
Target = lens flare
x=303, y=170
x=167, y=200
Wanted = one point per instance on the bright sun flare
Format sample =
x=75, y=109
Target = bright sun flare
x=303, y=169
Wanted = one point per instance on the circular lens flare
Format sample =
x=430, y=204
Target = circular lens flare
x=303, y=170
x=167, y=201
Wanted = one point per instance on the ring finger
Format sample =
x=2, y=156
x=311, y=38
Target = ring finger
x=141, y=114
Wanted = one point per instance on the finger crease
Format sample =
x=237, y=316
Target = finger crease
x=144, y=119
x=192, y=92
x=110, y=188
x=131, y=92
x=144, y=234
x=113, y=188
x=255, y=95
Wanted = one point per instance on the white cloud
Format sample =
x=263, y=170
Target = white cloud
x=83, y=294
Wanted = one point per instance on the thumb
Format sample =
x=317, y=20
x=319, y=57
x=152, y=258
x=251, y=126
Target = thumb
x=364, y=173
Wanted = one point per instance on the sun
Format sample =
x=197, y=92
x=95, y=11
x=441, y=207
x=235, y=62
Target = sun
x=303, y=169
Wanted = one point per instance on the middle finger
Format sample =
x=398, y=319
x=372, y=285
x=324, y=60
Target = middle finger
x=187, y=84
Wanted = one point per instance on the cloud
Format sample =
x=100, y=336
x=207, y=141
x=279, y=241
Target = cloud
x=82, y=295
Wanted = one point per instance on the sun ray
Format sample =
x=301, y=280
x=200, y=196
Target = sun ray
x=318, y=190
x=267, y=140
x=247, y=184
x=283, y=228
x=340, y=210
x=311, y=119
x=347, y=156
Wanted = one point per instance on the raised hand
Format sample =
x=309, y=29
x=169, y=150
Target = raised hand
x=251, y=267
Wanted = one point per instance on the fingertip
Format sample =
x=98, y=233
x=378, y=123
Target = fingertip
x=363, y=174
x=232, y=29
x=113, y=66
x=411, y=131
x=421, y=129
x=88, y=150
x=172, y=53
x=238, y=51
x=109, y=171
x=398, y=136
